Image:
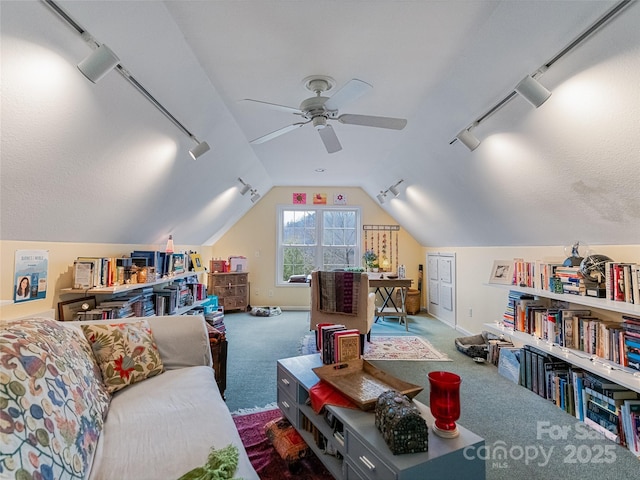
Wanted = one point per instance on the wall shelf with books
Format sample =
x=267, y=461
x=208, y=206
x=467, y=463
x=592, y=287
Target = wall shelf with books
x=127, y=287
x=593, y=302
x=623, y=376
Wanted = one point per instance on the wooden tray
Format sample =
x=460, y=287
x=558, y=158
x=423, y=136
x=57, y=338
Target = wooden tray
x=362, y=382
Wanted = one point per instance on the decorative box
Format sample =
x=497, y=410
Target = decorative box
x=400, y=423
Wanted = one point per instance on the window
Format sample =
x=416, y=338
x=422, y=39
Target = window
x=318, y=237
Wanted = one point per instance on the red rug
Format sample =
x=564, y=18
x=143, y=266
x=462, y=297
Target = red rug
x=264, y=457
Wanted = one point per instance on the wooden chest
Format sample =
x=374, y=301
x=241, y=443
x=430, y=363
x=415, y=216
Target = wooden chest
x=232, y=289
x=400, y=423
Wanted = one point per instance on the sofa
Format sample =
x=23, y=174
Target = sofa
x=153, y=411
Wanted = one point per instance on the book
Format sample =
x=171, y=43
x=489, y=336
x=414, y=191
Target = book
x=346, y=345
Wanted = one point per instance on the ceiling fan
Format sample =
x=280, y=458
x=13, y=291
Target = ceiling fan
x=318, y=110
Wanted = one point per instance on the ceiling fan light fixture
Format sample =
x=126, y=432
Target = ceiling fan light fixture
x=468, y=139
x=319, y=122
x=533, y=91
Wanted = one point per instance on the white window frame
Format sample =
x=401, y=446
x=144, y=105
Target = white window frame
x=320, y=209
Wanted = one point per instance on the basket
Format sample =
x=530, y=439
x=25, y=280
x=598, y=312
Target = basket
x=412, y=301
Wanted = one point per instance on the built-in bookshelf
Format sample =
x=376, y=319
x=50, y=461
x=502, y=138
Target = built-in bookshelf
x=116, y=289
x=578, y=359
x=621, y=375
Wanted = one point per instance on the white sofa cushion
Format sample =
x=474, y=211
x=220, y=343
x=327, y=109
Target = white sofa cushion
x=165, y=426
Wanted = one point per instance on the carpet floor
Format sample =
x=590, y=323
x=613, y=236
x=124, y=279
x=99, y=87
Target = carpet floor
x=541, y=440
x=264, y=457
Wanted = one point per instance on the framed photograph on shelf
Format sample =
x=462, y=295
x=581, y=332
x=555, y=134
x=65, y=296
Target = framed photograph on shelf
x=69, y=310
x=196, y=260
x=502, y=272
x=177, y=263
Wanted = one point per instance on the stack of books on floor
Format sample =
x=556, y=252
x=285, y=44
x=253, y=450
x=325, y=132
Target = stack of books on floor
x=216, y=319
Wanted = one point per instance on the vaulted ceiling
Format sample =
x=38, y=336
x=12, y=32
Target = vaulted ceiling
x=98, y=163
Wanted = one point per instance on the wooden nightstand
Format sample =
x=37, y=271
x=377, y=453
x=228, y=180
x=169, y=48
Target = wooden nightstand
x=218, y=345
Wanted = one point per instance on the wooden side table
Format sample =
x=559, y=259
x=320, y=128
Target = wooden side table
x=218, y=345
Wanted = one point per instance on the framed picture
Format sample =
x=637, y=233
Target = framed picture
x=67, y=311
x=177, y=263
x=502, y=272
x=196, y=260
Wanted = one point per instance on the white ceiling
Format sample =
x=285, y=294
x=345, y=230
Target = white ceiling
x=100, y=155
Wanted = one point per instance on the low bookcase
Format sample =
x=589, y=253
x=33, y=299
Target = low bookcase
x=357, y=449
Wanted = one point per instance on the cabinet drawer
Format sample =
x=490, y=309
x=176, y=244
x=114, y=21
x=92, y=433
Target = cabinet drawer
x=288, y=407
x=287, y=383
x=367, y=463
x=351, y=473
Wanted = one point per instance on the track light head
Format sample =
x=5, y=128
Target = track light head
x=532, y=91
x=468, y=139
x=381, y=197
x=394, y=188
x=98, y=63
x=255, y=196
x=200, y=149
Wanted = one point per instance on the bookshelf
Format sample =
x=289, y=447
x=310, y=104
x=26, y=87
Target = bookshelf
x=619, y=374
x=127, y=287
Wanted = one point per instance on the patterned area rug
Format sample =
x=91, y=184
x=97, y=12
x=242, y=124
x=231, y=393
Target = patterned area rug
x=264, y=457
x=402, y=348
x=389, y=348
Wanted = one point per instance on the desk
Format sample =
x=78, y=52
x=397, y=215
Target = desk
x=385, y=288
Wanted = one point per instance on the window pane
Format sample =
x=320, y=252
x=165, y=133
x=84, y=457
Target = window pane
x=297, y=261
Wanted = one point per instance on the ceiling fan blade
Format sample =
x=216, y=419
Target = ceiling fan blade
x=330, y=139
x=276, y=133
x=371, y=121
x=348, y=93
x=274, y=106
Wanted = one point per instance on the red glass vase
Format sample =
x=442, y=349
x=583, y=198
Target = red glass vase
x=444, y=401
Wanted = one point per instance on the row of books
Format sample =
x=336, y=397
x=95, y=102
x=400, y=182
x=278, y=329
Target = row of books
x=621, y=279
x=147, y=301
x=607, y=407
x=99, y=272
x=337, y=343
x=576, y=329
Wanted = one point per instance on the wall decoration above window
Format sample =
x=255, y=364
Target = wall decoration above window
x=319, y=198
x=299, y=198
x=339, y=198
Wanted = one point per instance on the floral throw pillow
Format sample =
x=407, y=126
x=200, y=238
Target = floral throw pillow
x=125, y=352
x=52, y=401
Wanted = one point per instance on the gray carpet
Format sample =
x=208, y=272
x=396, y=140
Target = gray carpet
x=509, y=417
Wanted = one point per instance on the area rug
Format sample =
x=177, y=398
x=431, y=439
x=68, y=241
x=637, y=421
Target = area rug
x=389, y=348
x=264, y=457
x=402, y=348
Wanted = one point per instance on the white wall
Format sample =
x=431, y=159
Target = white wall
x=487, y=302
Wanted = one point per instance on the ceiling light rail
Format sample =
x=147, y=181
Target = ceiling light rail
x=529, y=87
x=102, y=60
x=393, y=189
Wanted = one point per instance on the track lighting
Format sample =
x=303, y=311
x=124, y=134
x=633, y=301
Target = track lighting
x=468, y=139
x=255, y=196
x=394, y=188
x=99, y=63
x=199, y=149
x=533, y=91
x=529, y=87
x=102, y=60
x=245, y=186
x=382, y=196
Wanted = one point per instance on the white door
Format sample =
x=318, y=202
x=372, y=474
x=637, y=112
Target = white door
x=442, y=286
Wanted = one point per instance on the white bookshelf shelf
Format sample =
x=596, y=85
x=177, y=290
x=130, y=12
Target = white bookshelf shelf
x=128, y=287
x=624, y=376
x=602, y=303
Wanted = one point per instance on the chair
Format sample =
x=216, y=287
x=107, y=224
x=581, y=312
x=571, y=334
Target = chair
x=362, y=321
